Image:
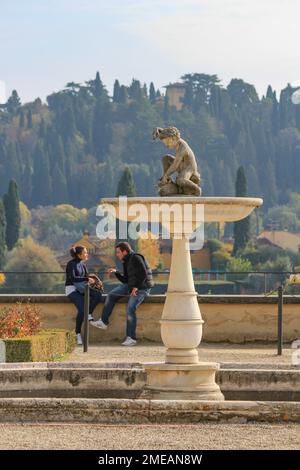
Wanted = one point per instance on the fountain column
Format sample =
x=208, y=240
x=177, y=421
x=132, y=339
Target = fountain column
x=181, y=322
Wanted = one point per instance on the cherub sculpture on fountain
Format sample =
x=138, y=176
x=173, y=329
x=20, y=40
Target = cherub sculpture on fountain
x=184, y=163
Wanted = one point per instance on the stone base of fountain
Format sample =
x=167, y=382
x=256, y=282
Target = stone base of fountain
x=182, y=382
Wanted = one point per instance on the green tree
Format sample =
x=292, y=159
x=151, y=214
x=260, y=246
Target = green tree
x=96, y=87
x=41, y=180
x=123, y=96
x=2, y=234
x=13, y=103
x=11, y=203
x=116, y=93
x=68, y=124
x=152, y=93
x=135, y=90
x=126, y=186
x=29, y=119
x=59, y=185
x=242, y=93
x=199, y=88
x=242, y=227
x=166, y=112
x=22, y=119
x=31, y=257
x=189, y=94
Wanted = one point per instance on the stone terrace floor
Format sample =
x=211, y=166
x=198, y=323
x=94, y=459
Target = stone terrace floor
x=261, y=355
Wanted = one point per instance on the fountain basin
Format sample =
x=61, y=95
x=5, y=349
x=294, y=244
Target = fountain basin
x=216, y=209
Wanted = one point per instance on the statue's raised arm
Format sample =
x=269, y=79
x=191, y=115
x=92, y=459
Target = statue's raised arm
x=184, y=164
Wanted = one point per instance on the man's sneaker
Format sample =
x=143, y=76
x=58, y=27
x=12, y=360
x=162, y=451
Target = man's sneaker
x=129, y=342
x=99, y=324
x=91, y=318
x=79, y=339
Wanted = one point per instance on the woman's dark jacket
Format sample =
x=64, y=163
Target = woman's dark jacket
x=76, y=271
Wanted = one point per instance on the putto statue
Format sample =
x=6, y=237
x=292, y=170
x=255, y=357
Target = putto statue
x=184, y=163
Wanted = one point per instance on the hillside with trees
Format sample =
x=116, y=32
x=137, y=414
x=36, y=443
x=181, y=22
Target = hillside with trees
x=73, y=149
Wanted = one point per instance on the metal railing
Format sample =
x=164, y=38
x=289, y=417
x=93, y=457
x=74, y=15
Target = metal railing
x=206, y=282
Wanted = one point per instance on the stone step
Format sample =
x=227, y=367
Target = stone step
x=112, y=380
x=123, y=411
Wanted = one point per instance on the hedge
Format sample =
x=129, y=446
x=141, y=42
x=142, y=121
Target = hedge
x=47, y=345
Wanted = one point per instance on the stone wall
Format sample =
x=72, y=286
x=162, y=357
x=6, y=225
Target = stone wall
x=235, y=319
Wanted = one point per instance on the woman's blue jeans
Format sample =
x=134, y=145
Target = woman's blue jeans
x=133, y=302
x=78, y=300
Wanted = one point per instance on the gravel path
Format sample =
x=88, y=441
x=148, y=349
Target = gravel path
x=194, y=437
x=152, y=352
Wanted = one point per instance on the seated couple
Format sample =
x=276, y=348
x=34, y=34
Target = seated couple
x=136, y=282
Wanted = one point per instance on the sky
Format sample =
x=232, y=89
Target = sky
x=46, y=43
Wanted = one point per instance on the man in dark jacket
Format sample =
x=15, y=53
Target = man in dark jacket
x=136, y=284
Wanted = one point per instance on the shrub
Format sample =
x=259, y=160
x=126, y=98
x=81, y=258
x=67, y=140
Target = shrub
x=47, y=345
x=238, y=265
x=19, y=320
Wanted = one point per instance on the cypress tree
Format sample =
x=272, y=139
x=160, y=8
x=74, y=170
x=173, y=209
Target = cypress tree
x=13, y=103
x=22, y=119
x=116, y=94
x=2, y=234
x=59, y=185
x=12, y=166
x=242, y=227
x=166, y=111
x=101, y=129
x=135, y=90
x=123, y=95
x=98, y=90
x=152, y=93
x=26, y=180
x=42, y=129
x=145, y=91
x=189, y=95
x=68, y=125
x=126, y=186
x=269, y=93
x=41, y=180
x=11, y=203
x=29, y=119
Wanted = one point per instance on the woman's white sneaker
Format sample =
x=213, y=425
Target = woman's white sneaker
x=99, y=324
x=79, y=339
x=129, y=342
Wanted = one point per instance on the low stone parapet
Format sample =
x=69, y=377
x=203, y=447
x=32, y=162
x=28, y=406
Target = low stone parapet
x=233, y=318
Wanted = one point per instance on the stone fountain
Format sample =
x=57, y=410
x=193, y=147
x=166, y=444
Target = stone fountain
x=182, y=375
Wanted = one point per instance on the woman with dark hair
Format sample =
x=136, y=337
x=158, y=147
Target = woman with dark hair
x=76, y=272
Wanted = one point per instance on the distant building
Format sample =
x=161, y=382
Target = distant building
x=200, y=259
x=175, y=93
x=101, y=252
x=281, y=239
